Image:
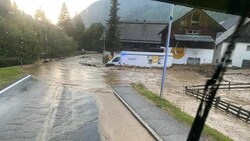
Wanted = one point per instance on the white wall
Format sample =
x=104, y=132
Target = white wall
x=239, y=53
x=205, y=55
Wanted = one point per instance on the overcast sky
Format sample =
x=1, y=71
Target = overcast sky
x=52, y=7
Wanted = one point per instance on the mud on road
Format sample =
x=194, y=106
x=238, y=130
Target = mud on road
x=81, y=82
x=180, y=76
x=89, y=75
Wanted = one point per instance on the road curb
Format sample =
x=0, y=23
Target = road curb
x=15, y=83
x=137, y=116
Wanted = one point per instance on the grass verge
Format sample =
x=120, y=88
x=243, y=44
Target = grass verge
x=10, y=74
x=176, y=112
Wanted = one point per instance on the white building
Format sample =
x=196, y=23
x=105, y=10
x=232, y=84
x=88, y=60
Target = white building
x=192, y=55
x=241, y=54
x=192, y=38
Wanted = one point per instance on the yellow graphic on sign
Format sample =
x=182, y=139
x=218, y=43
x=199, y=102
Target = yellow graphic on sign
x=155, y=59
x=178, y=53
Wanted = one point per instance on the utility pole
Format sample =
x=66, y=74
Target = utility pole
x=166, y=50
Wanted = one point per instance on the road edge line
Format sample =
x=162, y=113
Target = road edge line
x=12, y=85
x=138, y=117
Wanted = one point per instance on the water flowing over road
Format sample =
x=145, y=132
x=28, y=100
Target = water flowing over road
x=66, y=100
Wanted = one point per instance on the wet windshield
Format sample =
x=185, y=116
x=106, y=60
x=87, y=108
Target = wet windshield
x=124, y=70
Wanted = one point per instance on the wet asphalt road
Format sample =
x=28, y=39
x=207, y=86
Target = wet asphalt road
x=53, y=105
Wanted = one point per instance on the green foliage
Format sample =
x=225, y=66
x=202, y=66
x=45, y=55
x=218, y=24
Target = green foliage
x=113, y=43
x=92, y=37
x=29, y=39
x=64, y=20
x=78, y=31
x=177, y=113
x=40, y=15
x=9, y=75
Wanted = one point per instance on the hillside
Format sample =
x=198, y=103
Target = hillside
x=138, y=10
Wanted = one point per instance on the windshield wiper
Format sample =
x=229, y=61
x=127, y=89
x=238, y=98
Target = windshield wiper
x=212, y=86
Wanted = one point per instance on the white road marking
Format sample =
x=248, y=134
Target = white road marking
x=12, y=85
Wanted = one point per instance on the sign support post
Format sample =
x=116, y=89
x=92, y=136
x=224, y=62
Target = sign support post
x=166, y=51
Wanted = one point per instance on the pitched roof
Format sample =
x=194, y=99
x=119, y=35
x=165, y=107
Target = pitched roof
x=244, y=35
x=220, y=27
x=230, y=22
x=141, y=31
x=231, y=25
x=227, y=6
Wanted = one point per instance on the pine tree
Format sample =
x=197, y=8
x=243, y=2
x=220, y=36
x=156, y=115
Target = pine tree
x=40, y=15
x=79, y=29
x=113, y=43
x=64, y=20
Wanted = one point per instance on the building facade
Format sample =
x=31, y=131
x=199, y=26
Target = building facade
x=192, y=38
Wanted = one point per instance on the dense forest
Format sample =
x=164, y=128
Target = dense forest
x=27, y=39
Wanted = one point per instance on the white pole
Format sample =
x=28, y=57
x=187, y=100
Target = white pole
x=167, y=47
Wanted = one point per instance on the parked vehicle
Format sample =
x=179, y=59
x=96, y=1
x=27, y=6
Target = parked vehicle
x=140, y=59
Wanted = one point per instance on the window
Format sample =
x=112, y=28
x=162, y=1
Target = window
x=229, y=62
x=195, y=18
x=192, y=32
x=248, y=48
x=117, y=59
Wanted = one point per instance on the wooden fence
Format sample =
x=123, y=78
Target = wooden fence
x=227, y=85
x=237, y=111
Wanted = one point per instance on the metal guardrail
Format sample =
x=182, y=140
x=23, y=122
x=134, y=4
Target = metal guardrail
x=237, y=111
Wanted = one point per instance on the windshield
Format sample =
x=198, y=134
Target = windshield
x=117, y=59
x=124, y=70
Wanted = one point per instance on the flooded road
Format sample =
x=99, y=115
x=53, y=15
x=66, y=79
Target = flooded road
x=67, y=101
x=179, y=76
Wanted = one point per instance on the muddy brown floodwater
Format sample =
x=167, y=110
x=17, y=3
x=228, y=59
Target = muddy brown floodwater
x=115, y=121
x=180, y=76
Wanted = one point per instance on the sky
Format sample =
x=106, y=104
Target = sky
x=52, y=8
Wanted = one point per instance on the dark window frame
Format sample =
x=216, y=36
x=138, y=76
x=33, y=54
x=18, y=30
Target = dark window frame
x=248, y=48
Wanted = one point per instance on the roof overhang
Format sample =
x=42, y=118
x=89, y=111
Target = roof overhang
x=236, y=7
x=194, y=38
x=140, y=41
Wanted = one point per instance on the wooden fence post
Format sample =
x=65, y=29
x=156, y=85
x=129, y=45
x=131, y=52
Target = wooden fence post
x=197, y=94
x=217, y=101
x=238, y=113
x=227, y=107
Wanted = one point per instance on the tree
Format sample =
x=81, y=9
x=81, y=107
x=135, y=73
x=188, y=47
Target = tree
x=26, y=39
x=92, y=35
x=64, y=20
x=113, y=34
x=78, y=33
x=40, y=15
